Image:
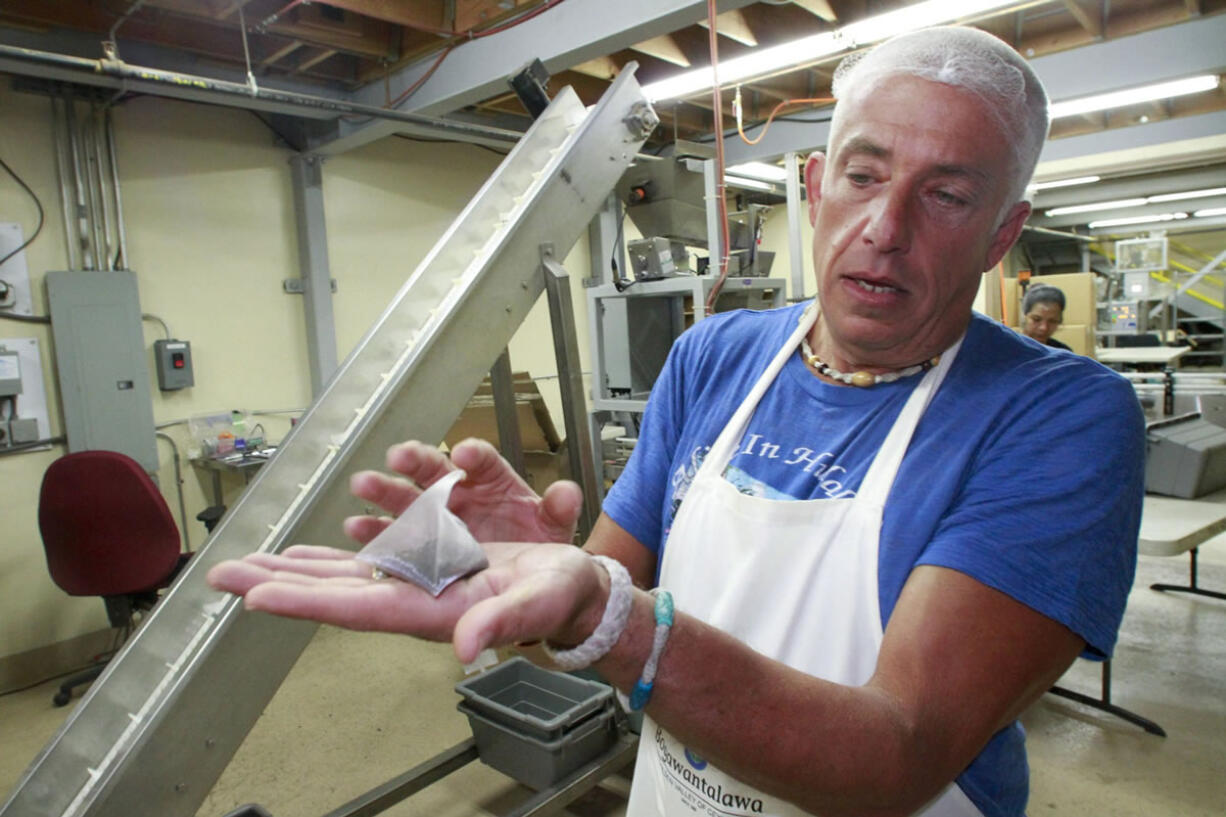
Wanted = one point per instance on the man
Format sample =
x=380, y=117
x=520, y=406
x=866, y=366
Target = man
x=1042, y=314
x=875, y=567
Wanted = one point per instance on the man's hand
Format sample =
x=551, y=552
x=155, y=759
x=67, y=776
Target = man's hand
x=529, y=592
x=495, y=503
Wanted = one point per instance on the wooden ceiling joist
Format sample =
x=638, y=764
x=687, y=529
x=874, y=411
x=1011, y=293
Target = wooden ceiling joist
x=280, y=53
x=734, y=26
x=1083, y=18
x=602, y=68
x=818, y=8
x=311, y=62
x=419, y=14
x=663, y=48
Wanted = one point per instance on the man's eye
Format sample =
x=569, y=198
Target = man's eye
x=859, y=179
x=945, y=197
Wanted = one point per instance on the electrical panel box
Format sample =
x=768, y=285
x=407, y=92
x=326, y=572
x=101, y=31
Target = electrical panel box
x=101, y=359
x=10, y=373
x=173, y=359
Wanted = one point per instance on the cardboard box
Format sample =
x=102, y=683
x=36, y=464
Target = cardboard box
x=1079, y=337
x=545, y=455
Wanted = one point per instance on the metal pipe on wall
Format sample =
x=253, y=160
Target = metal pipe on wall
x=118, y=74
x=121, y=233
x=58, y=131
x=106, y=181
x=94, y=188
x=81, y=216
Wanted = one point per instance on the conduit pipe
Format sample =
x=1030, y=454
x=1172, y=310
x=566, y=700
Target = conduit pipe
x=119, y=74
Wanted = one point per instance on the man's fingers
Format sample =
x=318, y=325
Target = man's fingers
x=481, y=461
x=387, y=606
x=319, y=566
x=317, y=552
x=392, y=494
x=424, y=464
x=561, y=504
x=236, y=576
x=364, y=528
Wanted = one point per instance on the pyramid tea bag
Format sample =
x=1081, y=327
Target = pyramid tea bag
x=427, y=545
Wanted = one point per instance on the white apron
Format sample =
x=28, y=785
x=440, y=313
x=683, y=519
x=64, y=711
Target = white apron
x=795, y=580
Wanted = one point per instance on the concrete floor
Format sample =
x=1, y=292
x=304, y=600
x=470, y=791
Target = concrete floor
x=359, y=709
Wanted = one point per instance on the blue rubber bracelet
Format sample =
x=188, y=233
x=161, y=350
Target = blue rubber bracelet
x=641, y=693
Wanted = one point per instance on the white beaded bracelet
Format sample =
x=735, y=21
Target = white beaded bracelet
x=611, y=626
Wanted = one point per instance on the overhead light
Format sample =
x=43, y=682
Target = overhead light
x=1089, y=208
x=1122, y=222
x=811, y=49
x=1212, y=211
x=1191, y=194
x=1136, y=202
x=752, y=184
x=759, y=170
x=1132, y=96
x=1063, y=183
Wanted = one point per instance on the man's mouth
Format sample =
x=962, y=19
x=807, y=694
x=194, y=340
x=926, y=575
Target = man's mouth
x=871, y=287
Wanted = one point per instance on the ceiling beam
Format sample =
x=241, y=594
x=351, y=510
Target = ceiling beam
x=311, y=62
x=280, y=53
x=1180, y=50
x=567, y=34
x=664, y=48
x=1083, y=18
x=734, y=26
x=818, y=8
x=601, y=68
x=420, y=14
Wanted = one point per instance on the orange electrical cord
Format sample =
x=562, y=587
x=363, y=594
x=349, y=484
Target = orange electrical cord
x=774, y=112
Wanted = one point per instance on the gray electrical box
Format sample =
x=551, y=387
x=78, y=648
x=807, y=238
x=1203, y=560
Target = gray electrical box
x=10, y=373
x=100, y=358
x=173, y=359
x=1185, y=457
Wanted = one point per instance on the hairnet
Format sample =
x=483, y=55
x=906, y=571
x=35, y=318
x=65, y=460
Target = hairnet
x=972, y=60
x=1042, y=294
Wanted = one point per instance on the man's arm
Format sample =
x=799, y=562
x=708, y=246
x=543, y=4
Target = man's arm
x=959, y=661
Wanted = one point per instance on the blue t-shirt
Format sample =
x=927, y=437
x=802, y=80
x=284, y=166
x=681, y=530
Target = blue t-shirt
x=1026, y=473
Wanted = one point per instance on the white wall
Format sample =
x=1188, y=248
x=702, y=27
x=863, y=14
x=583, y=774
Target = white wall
x=210, y=230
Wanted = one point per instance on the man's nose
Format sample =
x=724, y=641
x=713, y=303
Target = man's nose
x=889, y=223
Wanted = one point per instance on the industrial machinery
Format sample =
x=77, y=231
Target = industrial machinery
x=634, y=321
x=161, y=724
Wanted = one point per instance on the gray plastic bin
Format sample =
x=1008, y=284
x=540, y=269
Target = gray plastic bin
x=535, y=725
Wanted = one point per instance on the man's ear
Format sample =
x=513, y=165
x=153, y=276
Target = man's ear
x=814, y=167
x=1007, y=233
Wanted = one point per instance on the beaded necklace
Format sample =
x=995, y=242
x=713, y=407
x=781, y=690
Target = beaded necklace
x=861, y=379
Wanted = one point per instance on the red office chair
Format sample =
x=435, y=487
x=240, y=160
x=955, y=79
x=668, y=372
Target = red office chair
x=107, y=532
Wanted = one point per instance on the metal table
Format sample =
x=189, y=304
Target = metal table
x=1169, y=527
x=545, y=802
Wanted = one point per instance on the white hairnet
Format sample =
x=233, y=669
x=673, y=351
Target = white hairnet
x=975, y=61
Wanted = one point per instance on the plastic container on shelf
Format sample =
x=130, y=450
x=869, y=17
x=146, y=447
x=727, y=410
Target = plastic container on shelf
x=535, y=725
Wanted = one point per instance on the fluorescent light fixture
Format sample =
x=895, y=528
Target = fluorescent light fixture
x=759, y=170
x=1212, y=211
x=1132, y=96
x=811, y=49
x=1123, y=222
x=1100, y=205
x=1063, y=183
x=752, y=184
x=1191, y=194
